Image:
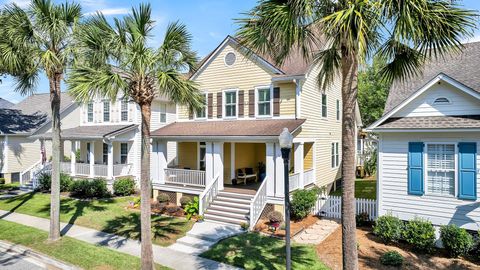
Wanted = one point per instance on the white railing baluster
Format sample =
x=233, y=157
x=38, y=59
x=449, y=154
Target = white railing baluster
x=185, y=177
x=258, y=203
x=208, y=195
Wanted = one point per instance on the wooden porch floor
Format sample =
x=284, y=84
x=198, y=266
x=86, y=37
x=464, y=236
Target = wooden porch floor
x=249, y=188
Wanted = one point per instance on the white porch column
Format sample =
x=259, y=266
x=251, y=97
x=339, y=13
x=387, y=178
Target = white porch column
x=208, y=163
x=92, y=159
x=279, y=181
x=232, y=161
x=161, y=159
x=73, y=156
x=218, y=162
x=270, y=168
x=298, y=166
x=110, y=160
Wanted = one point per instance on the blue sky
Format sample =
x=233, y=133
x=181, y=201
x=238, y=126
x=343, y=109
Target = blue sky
x=209, y=21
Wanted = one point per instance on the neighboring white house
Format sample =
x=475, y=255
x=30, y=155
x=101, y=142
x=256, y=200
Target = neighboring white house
x=429, y=140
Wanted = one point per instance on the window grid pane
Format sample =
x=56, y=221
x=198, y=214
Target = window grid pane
x=124, y=110
x=324, y=105
x=123, y=153
x=264, y=102
x=441, y=169
x=106, y=111
x=90, y=112
x=231, y=104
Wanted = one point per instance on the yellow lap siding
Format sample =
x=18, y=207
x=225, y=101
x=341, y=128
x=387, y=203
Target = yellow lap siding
x=308, y=156
x=248, y=155
x=287, y=99
x=187, y=155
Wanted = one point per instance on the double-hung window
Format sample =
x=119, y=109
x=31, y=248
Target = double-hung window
x=201, y=113
x=231, y=103
x=123, y=153
x=106, y=111
x=264, y=102
x=338, y=110
x=124, y=110
x=90, y=112
x=163, y=113
x=105, y=153
x=335, y=155
x=440, y=169
x=324, y=105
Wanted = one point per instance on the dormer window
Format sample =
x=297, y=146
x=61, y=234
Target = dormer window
x=441, y=101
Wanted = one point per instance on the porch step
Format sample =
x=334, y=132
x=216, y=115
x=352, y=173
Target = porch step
x=235, y=195
x=222, y=208
x=225, y=219
x=224, y=198
x=230, y=204
x=227, y=214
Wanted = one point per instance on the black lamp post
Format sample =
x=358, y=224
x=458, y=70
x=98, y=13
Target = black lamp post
x=286, y=139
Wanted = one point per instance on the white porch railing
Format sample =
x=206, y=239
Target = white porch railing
x=331, y=206
x=185, y=177
x=309, y=177
x=65, y=167
x=294, y=181
x=27, y=175
x=100, y=170
x=258, y=203
x=208, y=195
x=121, y=169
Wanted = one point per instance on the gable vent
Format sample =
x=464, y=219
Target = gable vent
x=230, y=59
x=441, y=100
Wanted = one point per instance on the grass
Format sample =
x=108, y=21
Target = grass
x=253, y=251
x=366, y=189
x=108, y=215
x=4, y=188
x=68, y=249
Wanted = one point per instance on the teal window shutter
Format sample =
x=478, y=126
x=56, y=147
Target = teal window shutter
x=415, y=168
x=467, y=171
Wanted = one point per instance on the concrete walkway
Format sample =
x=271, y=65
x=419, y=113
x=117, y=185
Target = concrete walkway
x=203, y=235
x=318, y=232
x=162, y=255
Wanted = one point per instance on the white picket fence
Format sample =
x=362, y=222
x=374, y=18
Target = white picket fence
x=331, y=207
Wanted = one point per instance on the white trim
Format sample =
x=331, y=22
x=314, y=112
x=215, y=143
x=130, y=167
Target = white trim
x=232, y=161
x=228, y=41
x=380, y=176
x=195, y=117
x=224, y=103
x=425, y=168
x=428, y=85
x=198, y=154
x=270, y=87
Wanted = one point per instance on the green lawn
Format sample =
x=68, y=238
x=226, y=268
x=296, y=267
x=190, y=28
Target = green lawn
x=4, y=188
x=253, y=251
x=108, y=215
x=366, y=189
x=68, y=249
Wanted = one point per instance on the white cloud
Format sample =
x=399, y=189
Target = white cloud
x=20, y=3
x=214, y=34
x=475, y=38
x=110, y=11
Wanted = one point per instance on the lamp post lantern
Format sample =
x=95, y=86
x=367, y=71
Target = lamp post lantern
x=285, y=140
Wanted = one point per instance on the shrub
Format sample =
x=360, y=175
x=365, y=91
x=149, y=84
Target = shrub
x=392, y=258
x=420, y=234
x=244, y=226
x=124, y=187
x=184, y=201
x=363, y=219
x=163, y=198
x=136, y=202
x=457, y=241
x=388, y=228
x=275, y=217
x=172, y=209
x=2, y=181
x=45, y=182
x=191, y=209
x=303, y=201
x=84, y=188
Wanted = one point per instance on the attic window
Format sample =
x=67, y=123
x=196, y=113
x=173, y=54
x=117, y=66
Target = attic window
x=230, y=59
x=441, y=101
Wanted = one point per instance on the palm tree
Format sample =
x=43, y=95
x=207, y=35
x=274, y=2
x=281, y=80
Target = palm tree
x=116, y=59
x=35, y=41
x=349, y=32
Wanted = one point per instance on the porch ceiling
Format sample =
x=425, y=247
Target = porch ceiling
x=228, y=128
x=91, y=132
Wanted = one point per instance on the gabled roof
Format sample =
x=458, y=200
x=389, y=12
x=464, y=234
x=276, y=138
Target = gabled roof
x=30, y=114
x=5, y=104
x=231, y=128
x=440, y=77
x=92, y=132
x=432, y=122
x=295, y=64
x=463, y=66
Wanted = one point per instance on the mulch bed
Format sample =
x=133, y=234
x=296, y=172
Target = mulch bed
x=371, y=248
x=263, y=226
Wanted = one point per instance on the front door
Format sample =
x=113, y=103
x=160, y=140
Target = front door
x=201, y=158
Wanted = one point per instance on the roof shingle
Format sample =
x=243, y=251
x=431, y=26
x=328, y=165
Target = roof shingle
x=432, y=122
x=91, y=132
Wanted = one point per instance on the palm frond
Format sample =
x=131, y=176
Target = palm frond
x=330, y=62
x=401, y=61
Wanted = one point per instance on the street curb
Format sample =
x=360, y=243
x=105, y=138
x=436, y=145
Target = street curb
x=24, y=251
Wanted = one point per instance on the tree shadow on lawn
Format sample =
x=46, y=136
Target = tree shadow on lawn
x=252, y=251
x=164, y=228
x=23, y=199
x=78, y=207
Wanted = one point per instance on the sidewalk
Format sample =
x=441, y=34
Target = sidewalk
x=161, y=255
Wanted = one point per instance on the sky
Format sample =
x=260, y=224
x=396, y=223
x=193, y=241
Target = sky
x=209, y=22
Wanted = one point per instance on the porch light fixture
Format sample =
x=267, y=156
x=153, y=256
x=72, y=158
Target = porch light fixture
x=286, y=140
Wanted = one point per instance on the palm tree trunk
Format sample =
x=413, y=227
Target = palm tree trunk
x=349, y=97
x=145, y=190
x=55, y=185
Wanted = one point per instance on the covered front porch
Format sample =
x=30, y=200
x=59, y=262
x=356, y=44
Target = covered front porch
x=99, y=151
